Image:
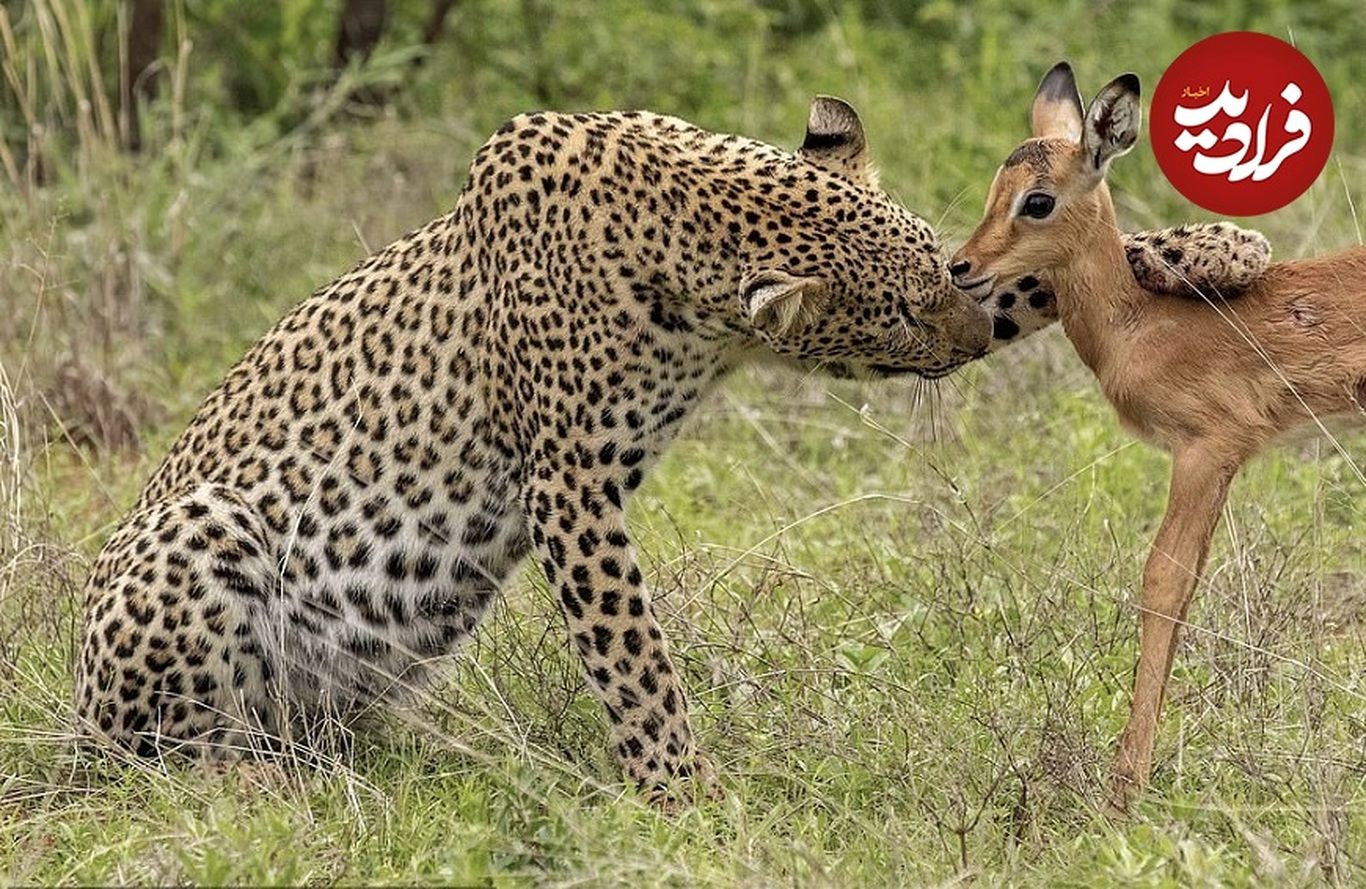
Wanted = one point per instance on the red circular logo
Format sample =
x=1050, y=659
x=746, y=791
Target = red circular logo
x=1241, y=123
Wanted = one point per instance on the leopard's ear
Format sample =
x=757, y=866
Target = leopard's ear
x=834, y=140
x=778, y=303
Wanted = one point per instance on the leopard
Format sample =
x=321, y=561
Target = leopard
x=492, y=388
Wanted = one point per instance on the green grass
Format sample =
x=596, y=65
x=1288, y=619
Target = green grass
x=908, y=633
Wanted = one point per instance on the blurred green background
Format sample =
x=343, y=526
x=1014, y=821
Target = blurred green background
x=906, y=614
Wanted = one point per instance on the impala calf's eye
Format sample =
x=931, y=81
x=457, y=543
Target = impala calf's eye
x=1037, y=205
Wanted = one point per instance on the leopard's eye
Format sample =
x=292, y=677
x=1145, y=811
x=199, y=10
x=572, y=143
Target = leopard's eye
x=1037, y=205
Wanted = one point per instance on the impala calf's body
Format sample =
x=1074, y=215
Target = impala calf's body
x=1211, y=381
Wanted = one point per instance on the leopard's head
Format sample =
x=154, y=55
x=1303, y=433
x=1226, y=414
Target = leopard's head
x=838, y=275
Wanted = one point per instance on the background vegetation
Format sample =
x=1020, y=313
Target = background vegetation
x=907, y=616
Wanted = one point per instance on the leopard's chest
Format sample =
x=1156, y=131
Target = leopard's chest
x=385, y=581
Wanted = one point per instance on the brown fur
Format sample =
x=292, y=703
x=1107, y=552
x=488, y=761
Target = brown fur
x=1211, y=381
x=1193, y=261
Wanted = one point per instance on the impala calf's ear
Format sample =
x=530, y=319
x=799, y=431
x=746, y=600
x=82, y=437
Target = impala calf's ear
x=778, y=303
x=834, y=140
x=1057, y=109
x=1112, y=123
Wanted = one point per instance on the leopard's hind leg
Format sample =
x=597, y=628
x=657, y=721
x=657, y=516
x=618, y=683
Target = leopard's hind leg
x=173, y=655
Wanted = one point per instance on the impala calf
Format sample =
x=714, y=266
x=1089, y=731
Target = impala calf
x=1211, y=381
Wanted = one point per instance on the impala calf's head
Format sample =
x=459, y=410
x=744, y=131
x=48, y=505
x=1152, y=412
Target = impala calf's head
x=1050, y=194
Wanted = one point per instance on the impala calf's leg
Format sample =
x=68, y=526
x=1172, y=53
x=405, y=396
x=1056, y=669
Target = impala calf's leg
x=1199, y=488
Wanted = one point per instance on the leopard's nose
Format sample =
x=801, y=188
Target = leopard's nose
x=963, y=322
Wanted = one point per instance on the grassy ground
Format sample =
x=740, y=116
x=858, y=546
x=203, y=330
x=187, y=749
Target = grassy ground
x=907, y=621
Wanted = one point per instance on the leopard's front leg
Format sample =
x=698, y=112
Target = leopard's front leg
x=578, y=529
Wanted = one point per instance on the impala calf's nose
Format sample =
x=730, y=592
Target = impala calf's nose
x=959, y=269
